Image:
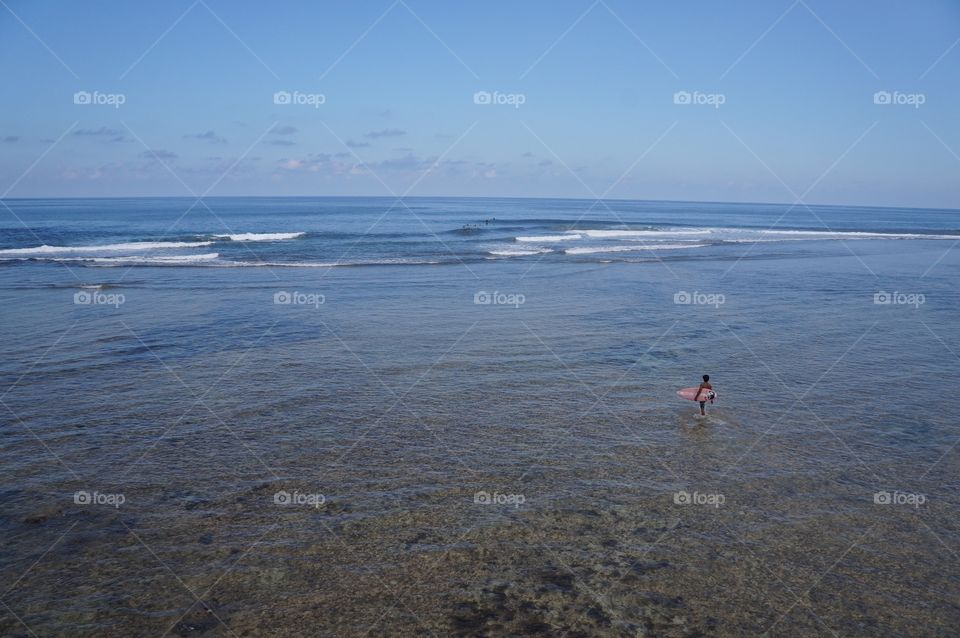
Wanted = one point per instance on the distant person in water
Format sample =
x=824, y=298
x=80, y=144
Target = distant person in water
x=705, y=390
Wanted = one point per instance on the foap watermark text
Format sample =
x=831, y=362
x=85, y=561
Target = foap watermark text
x=496, y=98
x=496, y=498
x=899, y=498
x=296, y=497
x=697, y=298
x=96, y=98
x=896, y=98
x=897, y=298
x=497, y=298
x=698, y=498
x=297, y=298
x=697, y=98
x=296, y=98
x=83, y=497
x=97, y=298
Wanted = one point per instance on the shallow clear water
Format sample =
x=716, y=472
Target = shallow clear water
x=408, y=393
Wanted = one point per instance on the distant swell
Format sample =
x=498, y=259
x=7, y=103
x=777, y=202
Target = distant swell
x=555, y=239
x=626, y=234
x=549, y=238
x=318, y=264
x=158, y=260
x=623, y=249
x=135, y=246
x=519, y=252
x=849, y=234
x=213, y=260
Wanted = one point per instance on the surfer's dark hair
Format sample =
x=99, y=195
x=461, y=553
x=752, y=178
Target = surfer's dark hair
x=706, y=377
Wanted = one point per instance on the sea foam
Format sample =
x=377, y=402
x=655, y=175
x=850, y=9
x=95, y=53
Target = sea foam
x=142, y=260
x=549, y=238
x=519, y=252
x=622, y=249
x=260, y=236
x=135, y=246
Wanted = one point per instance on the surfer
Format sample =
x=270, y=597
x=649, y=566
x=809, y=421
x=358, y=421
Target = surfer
x=704, y=390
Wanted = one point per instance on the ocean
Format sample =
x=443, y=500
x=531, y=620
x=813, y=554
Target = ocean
x=458, y=416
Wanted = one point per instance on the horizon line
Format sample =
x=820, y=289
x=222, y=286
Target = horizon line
x=395, y=198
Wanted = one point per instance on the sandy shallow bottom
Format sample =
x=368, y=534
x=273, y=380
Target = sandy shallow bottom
x=597, y=548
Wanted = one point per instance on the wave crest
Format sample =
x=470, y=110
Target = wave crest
x=260, y=236
x=623, y=249
x=135, y=246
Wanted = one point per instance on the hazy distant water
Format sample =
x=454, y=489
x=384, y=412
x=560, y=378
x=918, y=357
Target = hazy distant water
x=218, y=367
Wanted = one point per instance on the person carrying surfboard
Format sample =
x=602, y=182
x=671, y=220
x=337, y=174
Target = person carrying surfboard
x=701, y=394
x=705, y=390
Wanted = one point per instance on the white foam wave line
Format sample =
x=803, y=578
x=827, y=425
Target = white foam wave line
x=549, y=238
x=139, y=245
x=211, y=260
x=315, y=264
x=754, y=240
x=609, y=234
x=621, y=249
x=130, y=259
x=519, y=252
x=845, y=234
x=744, y=234
x=260, y=236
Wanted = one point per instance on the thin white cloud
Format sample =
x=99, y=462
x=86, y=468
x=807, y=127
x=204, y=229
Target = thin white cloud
x=208, y=136
x=387, y=132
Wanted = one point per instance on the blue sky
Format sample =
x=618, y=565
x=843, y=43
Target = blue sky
x=782, y=99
